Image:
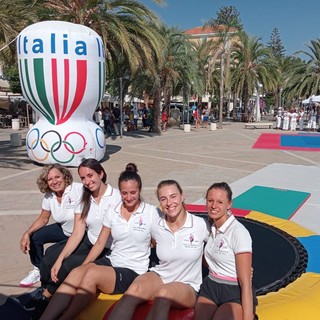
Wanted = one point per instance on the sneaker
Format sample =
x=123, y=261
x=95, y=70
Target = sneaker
x=32, y=278
x=40, y=307
x=31, y=304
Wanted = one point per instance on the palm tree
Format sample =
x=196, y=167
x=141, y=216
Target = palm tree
x=173, y=74
x=252, y=66
x=127, y=27
x=177, y=65
x=305, y=76
x=202, y=83
x=228, y=24
x=13, y=18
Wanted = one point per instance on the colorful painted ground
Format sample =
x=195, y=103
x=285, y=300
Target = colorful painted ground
x=302, y=142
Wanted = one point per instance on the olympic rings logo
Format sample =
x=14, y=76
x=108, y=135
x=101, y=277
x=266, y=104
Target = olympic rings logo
x=55, y=146
x=40, y=140
x=99, y=130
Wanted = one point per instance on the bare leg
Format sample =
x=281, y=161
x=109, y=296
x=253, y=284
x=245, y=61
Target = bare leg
x=174, y=294
x=141, y=290
x=65, y=293
x=96, y=277
x=230, y=311
x=205, y=309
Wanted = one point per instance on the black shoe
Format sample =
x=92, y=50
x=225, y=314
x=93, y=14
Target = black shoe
x=40, y=307
x=31, y=304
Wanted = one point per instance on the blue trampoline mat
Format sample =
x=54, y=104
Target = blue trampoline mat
x=302, y=141
x=312, y=245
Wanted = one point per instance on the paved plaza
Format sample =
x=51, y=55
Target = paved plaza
x=196, y=159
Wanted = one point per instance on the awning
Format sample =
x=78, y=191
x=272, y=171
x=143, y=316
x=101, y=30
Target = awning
x=4, y=103
x=4, y=85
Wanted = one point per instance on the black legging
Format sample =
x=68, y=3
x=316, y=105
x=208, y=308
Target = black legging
x=69, y=263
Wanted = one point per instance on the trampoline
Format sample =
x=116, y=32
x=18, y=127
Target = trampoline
x=280, y=263
x=286, y=274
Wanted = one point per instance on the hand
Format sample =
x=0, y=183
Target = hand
x=55, y=270
x=25, y=242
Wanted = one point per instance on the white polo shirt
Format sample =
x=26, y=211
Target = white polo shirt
x=63, y=212
x=131, y=239
x=224, y=243
x=180, y=253
x=97, y=210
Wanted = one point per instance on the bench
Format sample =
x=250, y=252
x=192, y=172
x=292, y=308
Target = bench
x=256, y=125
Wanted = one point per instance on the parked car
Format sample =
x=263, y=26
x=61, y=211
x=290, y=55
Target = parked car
x=184, y=113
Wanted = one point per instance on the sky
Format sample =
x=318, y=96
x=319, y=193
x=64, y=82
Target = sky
x=298, y=22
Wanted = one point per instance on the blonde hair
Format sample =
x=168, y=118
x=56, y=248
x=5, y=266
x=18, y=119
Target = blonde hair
x=42, y=180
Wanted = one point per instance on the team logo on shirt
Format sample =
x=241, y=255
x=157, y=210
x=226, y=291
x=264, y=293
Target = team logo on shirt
x=139, y=225
x=221, y=247
x=191, y=242
x=69, y=203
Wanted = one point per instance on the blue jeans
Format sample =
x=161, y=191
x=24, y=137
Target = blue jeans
x=51, y=233
x=117, y=126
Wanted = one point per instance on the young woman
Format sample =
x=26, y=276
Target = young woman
x=179, y=237
x=61, y=258
x=226, y=292
x=129, y=223
x=61, y=196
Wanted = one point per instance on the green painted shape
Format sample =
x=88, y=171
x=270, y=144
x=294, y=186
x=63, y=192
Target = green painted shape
x=280, y=203
x=41, y=88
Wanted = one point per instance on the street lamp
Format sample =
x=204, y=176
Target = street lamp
x=258, y=115
x=280, y=98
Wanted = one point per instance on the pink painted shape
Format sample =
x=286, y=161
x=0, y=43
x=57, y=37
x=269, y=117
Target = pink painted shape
x=240, y=212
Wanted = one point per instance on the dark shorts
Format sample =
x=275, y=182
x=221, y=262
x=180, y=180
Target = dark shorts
x=220, y=293
x=124, y=276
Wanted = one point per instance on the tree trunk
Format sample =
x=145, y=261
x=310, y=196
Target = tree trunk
x=221, y=91
x=156, y=128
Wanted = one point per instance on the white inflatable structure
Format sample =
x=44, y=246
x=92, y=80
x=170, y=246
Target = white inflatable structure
x=62, y=74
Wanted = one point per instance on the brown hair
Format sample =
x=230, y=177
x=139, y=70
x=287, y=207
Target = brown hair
x=130, y=173
x=42, y=180
x=86, y=195
x=223, y=186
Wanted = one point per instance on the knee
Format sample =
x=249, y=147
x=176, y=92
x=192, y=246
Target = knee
x=134, y=290
x=91, y=276
x=162, y=292
x=75, y=273
x=36, y=237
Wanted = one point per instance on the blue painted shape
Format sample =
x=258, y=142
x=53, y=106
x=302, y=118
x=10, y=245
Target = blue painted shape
x=312, y=245
x=301, y=141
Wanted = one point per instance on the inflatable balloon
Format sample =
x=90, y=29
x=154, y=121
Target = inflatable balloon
x=62, y=74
